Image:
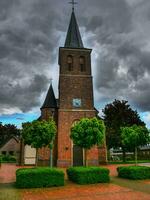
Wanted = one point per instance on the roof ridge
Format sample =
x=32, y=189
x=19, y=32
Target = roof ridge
x=8, y=139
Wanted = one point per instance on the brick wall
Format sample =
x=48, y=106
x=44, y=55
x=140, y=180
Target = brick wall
x=65, y=144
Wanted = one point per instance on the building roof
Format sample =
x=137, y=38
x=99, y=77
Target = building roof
x=17, y=139
x=73, y=39
x=145, y=147
x=50, y=100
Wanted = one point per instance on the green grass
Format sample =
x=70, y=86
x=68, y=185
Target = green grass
x=8, y=192
x=132, y=184
x=128, y=162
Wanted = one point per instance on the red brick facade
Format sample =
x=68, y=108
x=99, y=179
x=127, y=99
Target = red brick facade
x=65, y=145
x=75, y=84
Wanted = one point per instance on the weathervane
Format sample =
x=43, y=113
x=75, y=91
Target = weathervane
x=73, y=4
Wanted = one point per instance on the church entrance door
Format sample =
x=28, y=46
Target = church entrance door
x=77, y=156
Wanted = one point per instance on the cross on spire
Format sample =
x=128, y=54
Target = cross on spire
x=73, y=4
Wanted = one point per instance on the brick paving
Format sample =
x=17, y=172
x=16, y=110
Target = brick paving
x=90, y=192
x=8, y=173
x=73, y=191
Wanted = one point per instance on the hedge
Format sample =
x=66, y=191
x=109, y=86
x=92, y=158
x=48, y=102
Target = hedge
x=7, y=159
x=39, y=177
x=134, y=172
x=88, y=175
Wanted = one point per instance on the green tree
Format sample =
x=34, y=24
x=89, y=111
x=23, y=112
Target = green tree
x=135, y=136
x=116, y=115
x=7, y=131
x=39, y=134
x=86, y=133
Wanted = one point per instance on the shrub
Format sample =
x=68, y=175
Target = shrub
x=5, y=158
x=39, y=177
x=8, y=158
x=88, y=175
x=12, y=159
x=134, y=172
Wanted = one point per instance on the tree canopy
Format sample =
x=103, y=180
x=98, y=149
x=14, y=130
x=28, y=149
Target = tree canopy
x=7, y=131
x=38, y=133
x=135, y=136
x=116, y=115
x=88, y=132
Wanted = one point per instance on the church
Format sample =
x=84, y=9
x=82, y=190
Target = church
x=75, y=101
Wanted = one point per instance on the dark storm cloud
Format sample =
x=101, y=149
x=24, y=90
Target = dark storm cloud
x=121, y=32
x=28, y=41
x=31, y=32
x=24, y=93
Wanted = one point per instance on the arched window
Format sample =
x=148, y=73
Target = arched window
x=75, y=122
x=82, y=63
x=70, y=62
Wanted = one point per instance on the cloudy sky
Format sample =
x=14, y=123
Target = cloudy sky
x=31, y=32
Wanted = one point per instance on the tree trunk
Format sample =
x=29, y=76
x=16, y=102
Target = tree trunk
x=124, y=155
x=51, y=157
x=135, y=156
x=36, y=160
x=85, y=158
x=51, y=154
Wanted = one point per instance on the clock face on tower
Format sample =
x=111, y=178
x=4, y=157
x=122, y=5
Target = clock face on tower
x=76, y=103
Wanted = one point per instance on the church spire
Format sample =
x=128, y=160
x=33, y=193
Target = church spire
x=73, y=39
x=50, y=100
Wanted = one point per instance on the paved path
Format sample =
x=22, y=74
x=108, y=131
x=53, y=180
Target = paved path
x=90, y=192
x=117, y=189
x=145, y=164
x=8, y=173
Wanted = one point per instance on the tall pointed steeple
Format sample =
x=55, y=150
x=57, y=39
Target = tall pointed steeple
x=73, y=39
x=50, y=100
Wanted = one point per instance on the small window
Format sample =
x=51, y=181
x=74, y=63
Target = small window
x=70, y=63
x=11, y=153
x=82, y=64
x=3, y=152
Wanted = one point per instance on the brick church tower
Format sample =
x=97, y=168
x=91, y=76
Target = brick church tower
x=75, y=97
x=75, y=101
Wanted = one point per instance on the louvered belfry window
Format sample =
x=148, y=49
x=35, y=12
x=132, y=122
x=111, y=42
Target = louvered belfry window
x=82, y=63
x=70, y=62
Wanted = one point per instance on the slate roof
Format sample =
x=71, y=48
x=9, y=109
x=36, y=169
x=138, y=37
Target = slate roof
x=50, y=100
x=8, y=139
x=73, y=39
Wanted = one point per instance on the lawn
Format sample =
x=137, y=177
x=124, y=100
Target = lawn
x=9, y=192
x=128, y=162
